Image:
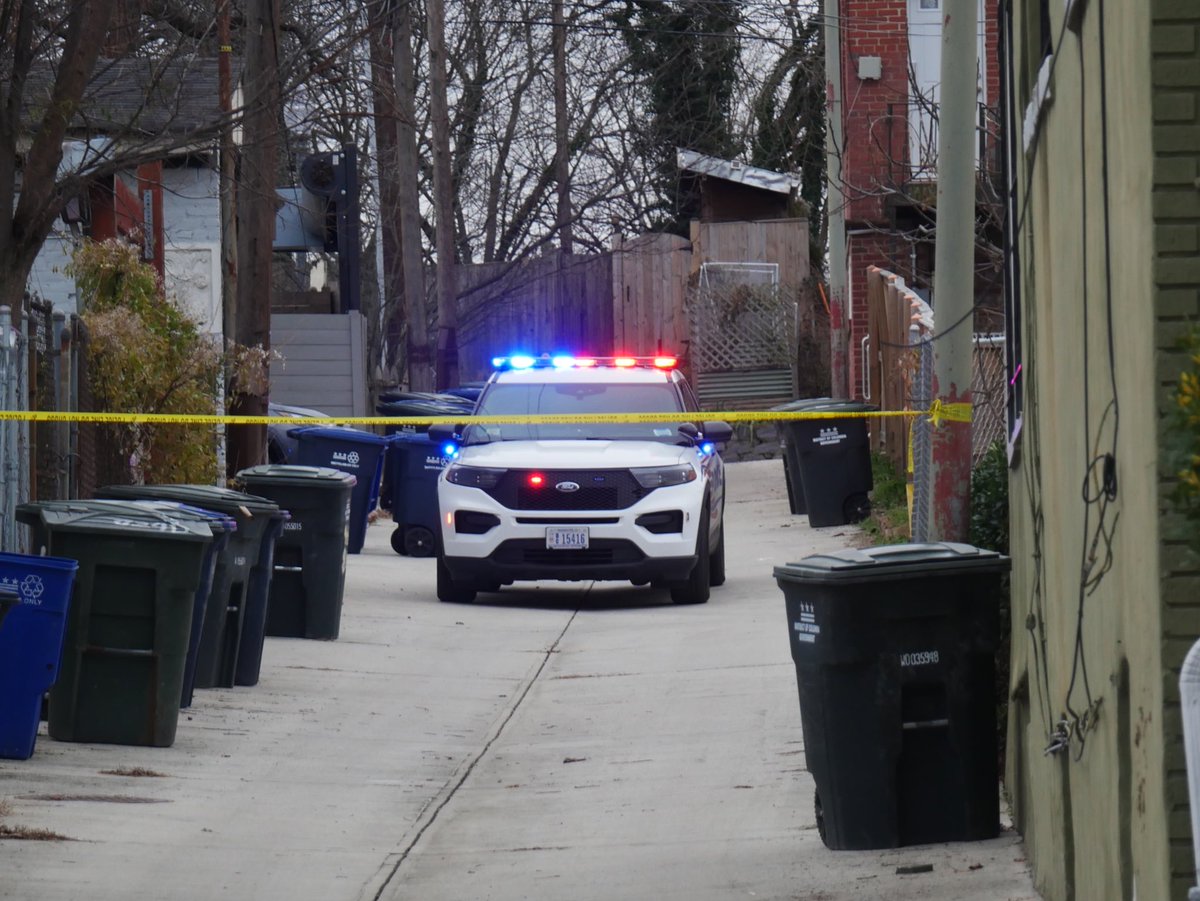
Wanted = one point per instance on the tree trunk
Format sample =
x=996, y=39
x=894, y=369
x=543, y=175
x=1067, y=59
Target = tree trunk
x=256, y=223
x=383, y=89
x=420, y=359
x=443, y=192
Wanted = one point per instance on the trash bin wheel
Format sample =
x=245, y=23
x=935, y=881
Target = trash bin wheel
x=450, y=591
x=820, y=815
x=694, y=589
x=856, y=507
x=419, y=542
x=398, y=540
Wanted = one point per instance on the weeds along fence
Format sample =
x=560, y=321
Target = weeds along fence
x=39, y=370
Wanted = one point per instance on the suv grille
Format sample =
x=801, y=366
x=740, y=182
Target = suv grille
x=609, y=489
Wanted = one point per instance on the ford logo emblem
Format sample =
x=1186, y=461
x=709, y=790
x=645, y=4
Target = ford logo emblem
x=567, y=486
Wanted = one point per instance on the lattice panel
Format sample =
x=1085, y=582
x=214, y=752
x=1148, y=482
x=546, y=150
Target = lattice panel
x=740, y=326
x=989, y=385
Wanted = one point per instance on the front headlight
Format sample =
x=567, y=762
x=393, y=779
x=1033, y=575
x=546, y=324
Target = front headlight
x=473, y=476
x=663, y=476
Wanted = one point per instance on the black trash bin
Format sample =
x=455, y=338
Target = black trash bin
x=827, y=461
x=791, y=459
x=310, y=555
x=348, y=450
x=129, y=621
x=222, y=525
x=258, y=594
x=231, y=605
x=414, y=462
x=894, y=650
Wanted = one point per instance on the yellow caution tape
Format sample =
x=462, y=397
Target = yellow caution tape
x=949, y=412
x=540, y=419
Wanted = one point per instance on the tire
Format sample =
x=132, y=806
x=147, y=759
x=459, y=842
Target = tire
x=398, y=541
x=820, y=814
x=419, y=542
x=716, y=560
x=694, y=589
x=448, y=590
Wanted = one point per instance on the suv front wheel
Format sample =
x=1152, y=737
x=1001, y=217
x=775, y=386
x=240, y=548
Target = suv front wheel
x=694, y=590
x=450, y=591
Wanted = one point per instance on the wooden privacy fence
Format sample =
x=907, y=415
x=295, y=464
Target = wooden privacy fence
x=898, y=360
x=534, y=306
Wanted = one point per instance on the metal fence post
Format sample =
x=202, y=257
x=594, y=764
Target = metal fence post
x=7, y=432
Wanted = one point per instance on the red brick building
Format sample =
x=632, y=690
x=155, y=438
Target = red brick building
x=891, y=60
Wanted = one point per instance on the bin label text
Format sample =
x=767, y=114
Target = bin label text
x=919, y=658
x=829, y=435
x=31, y=588
x=293, y=526
x=343, y=459
x=168, y=528
x=806, y=627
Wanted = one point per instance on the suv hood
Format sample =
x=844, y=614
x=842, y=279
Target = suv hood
x=568, y=454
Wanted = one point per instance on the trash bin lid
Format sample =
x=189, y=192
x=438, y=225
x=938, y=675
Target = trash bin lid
x=208, y=497
x=826, y=405
x=337, y=433
x=287, y=474
x=126, y=523
x=218, y=522
x=892, y=561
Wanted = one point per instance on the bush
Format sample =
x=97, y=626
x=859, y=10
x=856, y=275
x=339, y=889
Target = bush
x=146, y=355
x=989, y=500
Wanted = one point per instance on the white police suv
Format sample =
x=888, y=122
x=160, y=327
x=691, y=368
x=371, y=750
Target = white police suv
x=578, y=500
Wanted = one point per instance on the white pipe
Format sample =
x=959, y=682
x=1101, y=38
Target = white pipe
x=1189, y=692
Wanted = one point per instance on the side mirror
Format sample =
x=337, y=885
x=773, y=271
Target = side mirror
x=443, y=431
x=718, y=432
x=689, y=431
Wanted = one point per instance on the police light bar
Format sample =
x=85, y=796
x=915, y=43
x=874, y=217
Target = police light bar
x=569, y=361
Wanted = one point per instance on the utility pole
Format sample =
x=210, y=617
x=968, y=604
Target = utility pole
x=443, y=195
x=383, y=95
x=954, y=274
x=228, y=183
x=420, y=359
x=256, y=225
x=835, y=205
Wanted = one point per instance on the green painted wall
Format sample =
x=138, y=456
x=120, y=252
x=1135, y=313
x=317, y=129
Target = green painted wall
x=1175, y=46
x=1099, y=819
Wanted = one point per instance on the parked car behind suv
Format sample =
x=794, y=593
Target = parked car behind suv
x=641, y=499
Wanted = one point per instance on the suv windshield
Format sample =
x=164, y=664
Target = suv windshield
x=576, y=399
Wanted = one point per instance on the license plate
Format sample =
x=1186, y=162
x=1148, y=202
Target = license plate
x=563, y=538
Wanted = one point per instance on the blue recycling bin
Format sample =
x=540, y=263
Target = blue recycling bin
x=31, y=643
x=414, y=463
x=352, y=451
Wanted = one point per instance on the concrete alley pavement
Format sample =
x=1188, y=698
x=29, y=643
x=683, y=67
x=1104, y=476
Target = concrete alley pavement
x=591, y=741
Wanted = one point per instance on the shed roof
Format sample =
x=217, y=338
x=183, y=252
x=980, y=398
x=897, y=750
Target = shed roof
x=732, y=170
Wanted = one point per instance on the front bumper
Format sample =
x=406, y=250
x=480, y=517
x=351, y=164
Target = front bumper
x=618, y=548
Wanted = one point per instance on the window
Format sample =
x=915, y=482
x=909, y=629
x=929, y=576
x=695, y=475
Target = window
x=931, y=4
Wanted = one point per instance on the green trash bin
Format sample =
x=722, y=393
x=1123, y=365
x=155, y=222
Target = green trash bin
x=226, y=616
x=310, y=554
x=128, y=622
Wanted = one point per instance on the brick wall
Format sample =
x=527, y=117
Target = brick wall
x=875, y=112
x=1175, y=49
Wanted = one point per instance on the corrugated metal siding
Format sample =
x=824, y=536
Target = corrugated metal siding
x=324, y=362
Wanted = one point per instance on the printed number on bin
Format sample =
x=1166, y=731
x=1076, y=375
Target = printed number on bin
x=919, y=658
x=561, y=538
